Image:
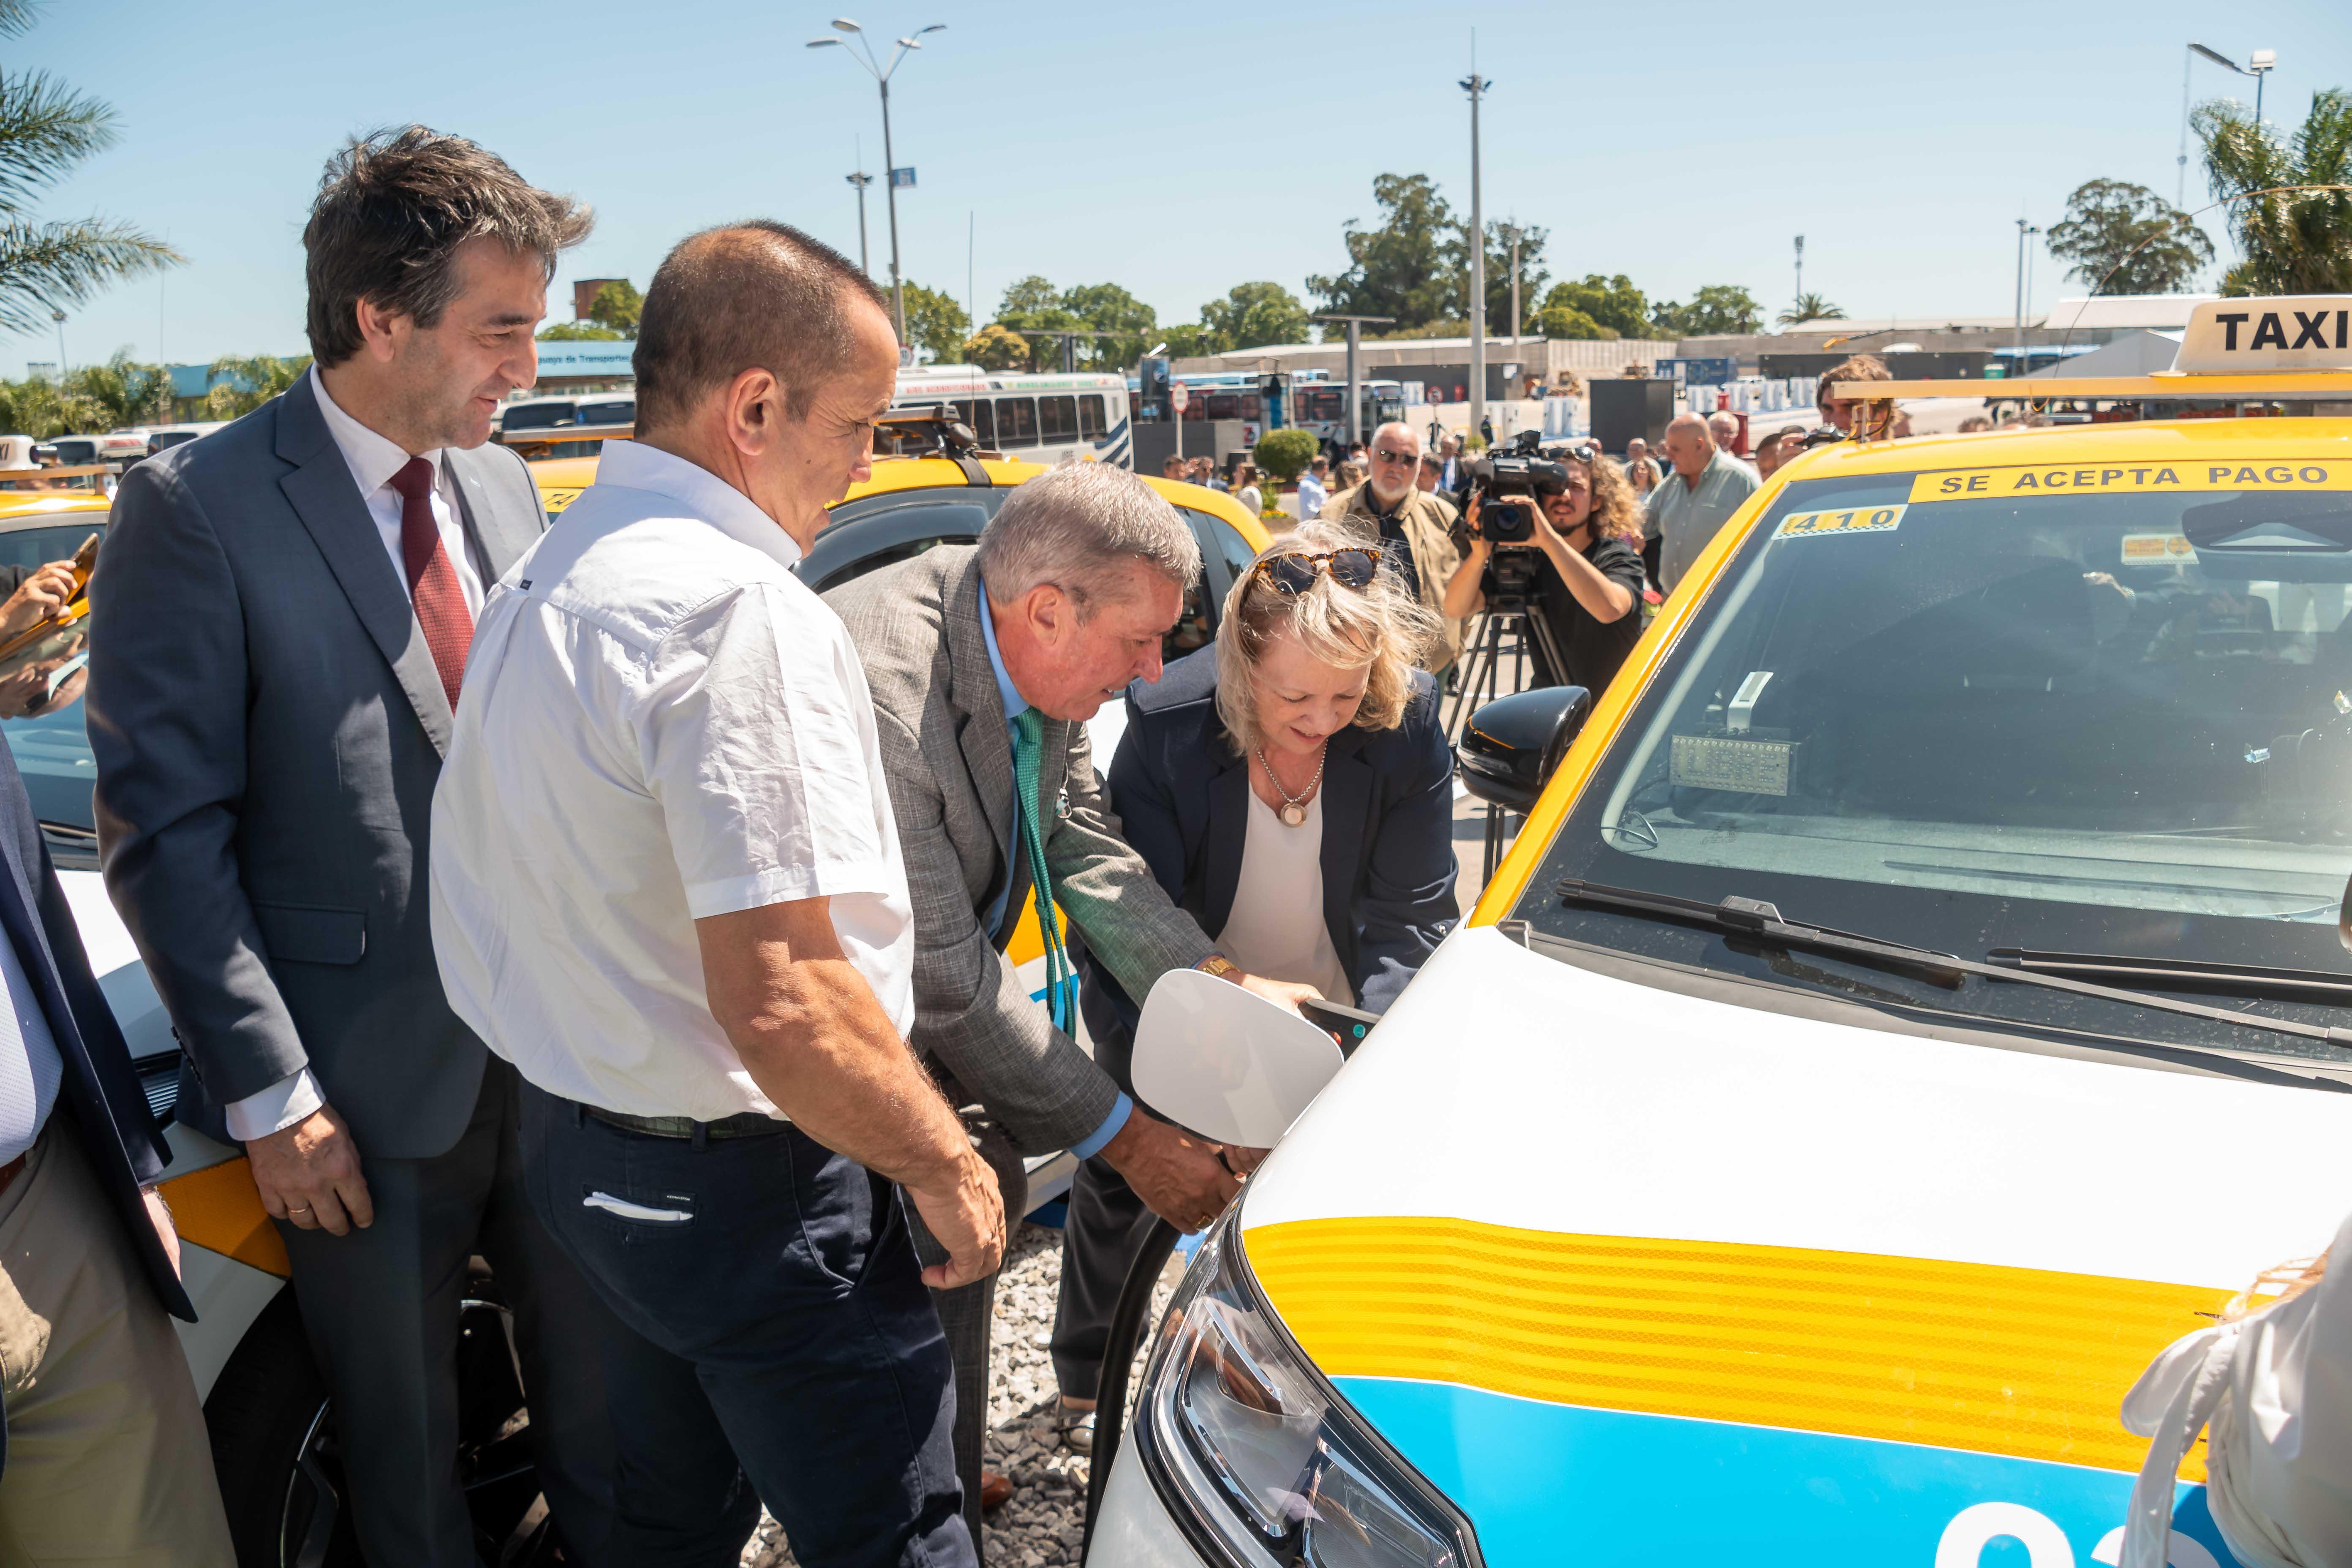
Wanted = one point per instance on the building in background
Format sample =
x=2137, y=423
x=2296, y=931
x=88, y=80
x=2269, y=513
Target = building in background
x=583, y=294
x=585, y=366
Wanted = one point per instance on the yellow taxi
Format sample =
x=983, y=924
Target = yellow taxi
x=1918, y=995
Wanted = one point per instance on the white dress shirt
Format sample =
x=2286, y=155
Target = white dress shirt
x=30, y=1067
x=661, y=724
x=373, y=459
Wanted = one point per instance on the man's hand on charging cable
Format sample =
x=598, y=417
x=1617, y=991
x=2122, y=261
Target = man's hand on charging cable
x=1178, y=1176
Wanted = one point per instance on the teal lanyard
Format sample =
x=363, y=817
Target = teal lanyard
x=1061, y=979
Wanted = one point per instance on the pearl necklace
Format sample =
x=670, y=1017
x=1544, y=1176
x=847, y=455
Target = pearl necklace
x=1294, y=807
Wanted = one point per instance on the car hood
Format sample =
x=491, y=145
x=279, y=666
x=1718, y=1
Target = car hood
x=1670, y=1278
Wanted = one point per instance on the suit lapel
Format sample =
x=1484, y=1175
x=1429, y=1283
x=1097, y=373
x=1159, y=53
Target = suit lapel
x=501, y=538
x=1346, y=809
x=324, y=497
x=979, y=735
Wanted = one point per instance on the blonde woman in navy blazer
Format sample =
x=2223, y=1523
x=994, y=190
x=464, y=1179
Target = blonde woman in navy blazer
x=1292, y=790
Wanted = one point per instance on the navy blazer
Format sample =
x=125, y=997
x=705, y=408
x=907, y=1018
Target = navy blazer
x=99, y=1101
x=1182, y=796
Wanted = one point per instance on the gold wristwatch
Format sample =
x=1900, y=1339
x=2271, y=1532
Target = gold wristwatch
x=1218, y=964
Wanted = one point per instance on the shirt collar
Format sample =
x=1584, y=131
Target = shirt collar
x=372, y=458
x=633, y=465
x=1016, y=704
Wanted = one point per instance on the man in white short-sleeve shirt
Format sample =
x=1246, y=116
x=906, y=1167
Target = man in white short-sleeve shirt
x=667, y=886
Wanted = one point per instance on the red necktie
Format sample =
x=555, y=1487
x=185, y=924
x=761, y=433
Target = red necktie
x=432, y=579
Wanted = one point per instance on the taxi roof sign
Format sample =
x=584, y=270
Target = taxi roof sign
x=2292, y=331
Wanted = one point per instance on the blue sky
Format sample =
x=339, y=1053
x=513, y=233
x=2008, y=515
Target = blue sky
x=1176, y=150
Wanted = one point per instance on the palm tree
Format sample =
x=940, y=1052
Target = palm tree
x=239, y=384
x=1809, y=308
x=2298, y=243
x=124, y=393
x=47, y=129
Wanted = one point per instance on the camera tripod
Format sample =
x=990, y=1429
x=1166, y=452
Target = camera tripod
x=1512, y=630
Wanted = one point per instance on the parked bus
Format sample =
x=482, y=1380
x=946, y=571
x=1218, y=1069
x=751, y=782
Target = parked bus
x=1309, y=401
x=1037, y=419
x=1322, y=406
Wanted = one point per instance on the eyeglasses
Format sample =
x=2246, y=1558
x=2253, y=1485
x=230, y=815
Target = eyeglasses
x=1389, y=455
x=1296, y=574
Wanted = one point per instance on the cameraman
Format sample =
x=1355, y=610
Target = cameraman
x=1588, y=587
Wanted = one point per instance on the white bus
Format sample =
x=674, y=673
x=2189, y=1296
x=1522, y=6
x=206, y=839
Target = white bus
x=1037, y=419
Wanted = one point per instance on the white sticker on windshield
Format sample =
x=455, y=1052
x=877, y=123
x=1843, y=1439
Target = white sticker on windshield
x=1742, y=766
x=2158, y=550
x=1856, y=520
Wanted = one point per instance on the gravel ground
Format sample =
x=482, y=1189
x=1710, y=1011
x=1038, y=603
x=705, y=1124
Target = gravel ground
x=1042, y=1526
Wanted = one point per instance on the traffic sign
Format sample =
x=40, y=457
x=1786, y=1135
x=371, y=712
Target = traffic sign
x=1179, y=397
x=904, y=178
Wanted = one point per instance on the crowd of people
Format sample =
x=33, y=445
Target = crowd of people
x=595, y=897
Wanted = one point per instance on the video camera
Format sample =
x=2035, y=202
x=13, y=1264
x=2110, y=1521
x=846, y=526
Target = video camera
x=1508, y=486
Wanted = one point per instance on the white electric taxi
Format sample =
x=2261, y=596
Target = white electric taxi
x=1919, y=994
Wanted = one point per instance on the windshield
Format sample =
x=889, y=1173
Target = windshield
x=1977, y=714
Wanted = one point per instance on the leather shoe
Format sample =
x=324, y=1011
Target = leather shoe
x=995, y=1490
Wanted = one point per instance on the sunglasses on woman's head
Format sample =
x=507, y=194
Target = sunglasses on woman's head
x=1296, y=574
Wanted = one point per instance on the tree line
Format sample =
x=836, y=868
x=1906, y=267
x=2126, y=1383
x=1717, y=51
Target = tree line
x=124, y=392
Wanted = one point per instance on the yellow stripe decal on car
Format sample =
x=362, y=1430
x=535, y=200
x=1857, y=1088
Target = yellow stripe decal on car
x=1970, y=1357
x=219, y=1207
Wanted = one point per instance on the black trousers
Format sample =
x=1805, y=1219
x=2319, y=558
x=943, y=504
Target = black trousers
x=788, y=1332
x=968, y=1314
x=379, y=1307
x=1106, y=1227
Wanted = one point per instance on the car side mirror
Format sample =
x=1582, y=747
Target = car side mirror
x=1511, y=748
x=1226, y=1063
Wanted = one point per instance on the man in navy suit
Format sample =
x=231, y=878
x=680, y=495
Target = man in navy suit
x=103, y=1458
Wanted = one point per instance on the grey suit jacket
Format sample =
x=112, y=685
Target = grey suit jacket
x=269, y=726
x=949, y=768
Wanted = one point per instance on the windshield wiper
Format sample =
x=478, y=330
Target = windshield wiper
x=2239, y=978
x=1755, y=918
x=1760, y=922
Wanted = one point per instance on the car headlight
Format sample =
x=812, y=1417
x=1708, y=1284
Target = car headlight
x=1256, y=1456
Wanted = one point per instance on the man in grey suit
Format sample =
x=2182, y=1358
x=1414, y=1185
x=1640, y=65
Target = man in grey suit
x=985, y=664
x=279, y=632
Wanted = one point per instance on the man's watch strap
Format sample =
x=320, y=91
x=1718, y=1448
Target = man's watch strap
x=1218, y=964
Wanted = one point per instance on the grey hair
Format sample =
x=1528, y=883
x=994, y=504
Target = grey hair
x=1078, y=527
x=1397, y=424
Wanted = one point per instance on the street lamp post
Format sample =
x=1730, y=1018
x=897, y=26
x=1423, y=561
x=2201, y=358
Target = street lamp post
x=1515, y=291
x=881, y=75
x=1476, y=86
x=2023, y=228
x=2258, y=65
x=861, y=180
x=59, y=318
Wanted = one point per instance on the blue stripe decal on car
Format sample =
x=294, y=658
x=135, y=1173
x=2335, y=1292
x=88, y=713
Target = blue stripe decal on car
x=1546, y=1484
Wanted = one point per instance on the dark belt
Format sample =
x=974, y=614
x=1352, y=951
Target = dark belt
x=744, y=1124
